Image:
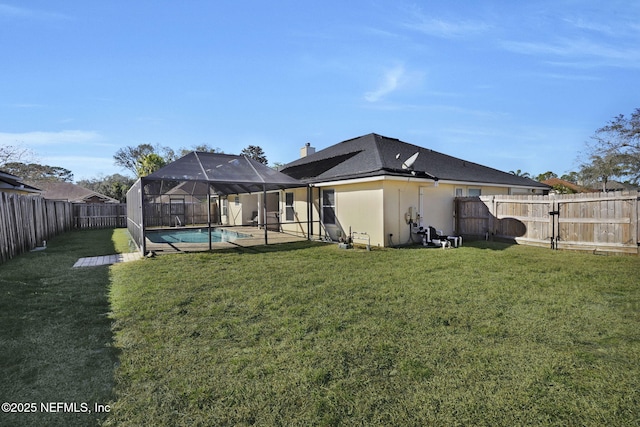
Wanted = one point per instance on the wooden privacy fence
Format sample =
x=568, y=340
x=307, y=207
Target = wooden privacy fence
x=99, y=215
x=27, y=221
x=606, y=222
x=174, y=214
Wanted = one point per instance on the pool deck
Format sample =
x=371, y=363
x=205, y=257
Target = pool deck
x=256, y=239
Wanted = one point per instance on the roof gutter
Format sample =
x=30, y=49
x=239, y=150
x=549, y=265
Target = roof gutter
x=413, y=173
x=487, y=184
x=371, y=179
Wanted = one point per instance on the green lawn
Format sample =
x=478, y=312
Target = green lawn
x=56, y=342
x=309, y=334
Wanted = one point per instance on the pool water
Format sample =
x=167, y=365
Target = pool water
x=194, y=235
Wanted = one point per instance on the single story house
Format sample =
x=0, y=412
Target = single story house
x=563, y=186
x=70, y=192
x=10, y=183
x=612, y=185
x=376, y=188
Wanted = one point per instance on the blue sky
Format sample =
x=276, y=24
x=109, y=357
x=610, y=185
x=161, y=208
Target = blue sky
x=511, y=85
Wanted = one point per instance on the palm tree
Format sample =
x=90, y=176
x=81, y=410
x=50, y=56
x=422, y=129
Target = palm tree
x=520, y=173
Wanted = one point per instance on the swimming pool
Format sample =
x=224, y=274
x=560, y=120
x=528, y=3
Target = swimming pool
x=194, y=235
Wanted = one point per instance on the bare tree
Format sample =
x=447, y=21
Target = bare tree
x=15, y=154
x=615, y=150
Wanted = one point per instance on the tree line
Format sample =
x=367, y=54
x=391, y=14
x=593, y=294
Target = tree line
x=613, y=152
x=140, y=161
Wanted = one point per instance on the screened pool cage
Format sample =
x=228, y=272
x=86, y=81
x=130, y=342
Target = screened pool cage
x=195, y=190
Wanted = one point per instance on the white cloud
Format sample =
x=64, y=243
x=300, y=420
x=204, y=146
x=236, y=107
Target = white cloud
x=583, y=24
x=14, y=12
x=26, y=105
x=391, y=81
x=447, y=29
x=84, y=167
x=569, y=76
x=580, y=51
x=38, y=138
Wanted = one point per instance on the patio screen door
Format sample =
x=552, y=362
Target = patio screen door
x=329, y=220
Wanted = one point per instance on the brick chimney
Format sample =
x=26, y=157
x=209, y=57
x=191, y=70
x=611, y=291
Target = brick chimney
x=307, y=150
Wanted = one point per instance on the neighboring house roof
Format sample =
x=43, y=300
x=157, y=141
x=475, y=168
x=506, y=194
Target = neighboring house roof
x=376, y=155
x=619, y=186
x=189, y=191
x=67, y=191
x=570, y=185
x=9, y=182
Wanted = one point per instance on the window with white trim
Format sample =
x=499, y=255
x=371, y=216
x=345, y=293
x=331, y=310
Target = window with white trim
x=328, y=206
x=289, y=212
x=225, y=206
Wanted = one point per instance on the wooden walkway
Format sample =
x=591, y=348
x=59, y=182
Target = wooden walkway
x=95, y=261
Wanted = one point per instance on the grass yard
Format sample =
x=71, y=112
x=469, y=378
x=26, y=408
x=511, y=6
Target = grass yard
x=308, y=334
x=55, y=331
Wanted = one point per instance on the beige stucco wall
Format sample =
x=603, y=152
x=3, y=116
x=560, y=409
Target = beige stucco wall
x=399, y=198
x=428, y=203
x=299, y=224
x=437, y=207
x=377, y=207
x=359, y=208
x=240, y=213
x=18, y=191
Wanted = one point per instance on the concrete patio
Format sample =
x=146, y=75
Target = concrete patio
x=256, y=239
x=95, y=261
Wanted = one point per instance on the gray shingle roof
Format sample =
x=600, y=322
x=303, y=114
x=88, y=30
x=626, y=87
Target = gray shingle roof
x=68, y=191
x=376, y=155
x=11, y=182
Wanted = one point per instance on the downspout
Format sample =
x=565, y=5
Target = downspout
x=209, y=213
x=322, y=230
x=399, y=216
x=309, y=212
x=264, y=211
